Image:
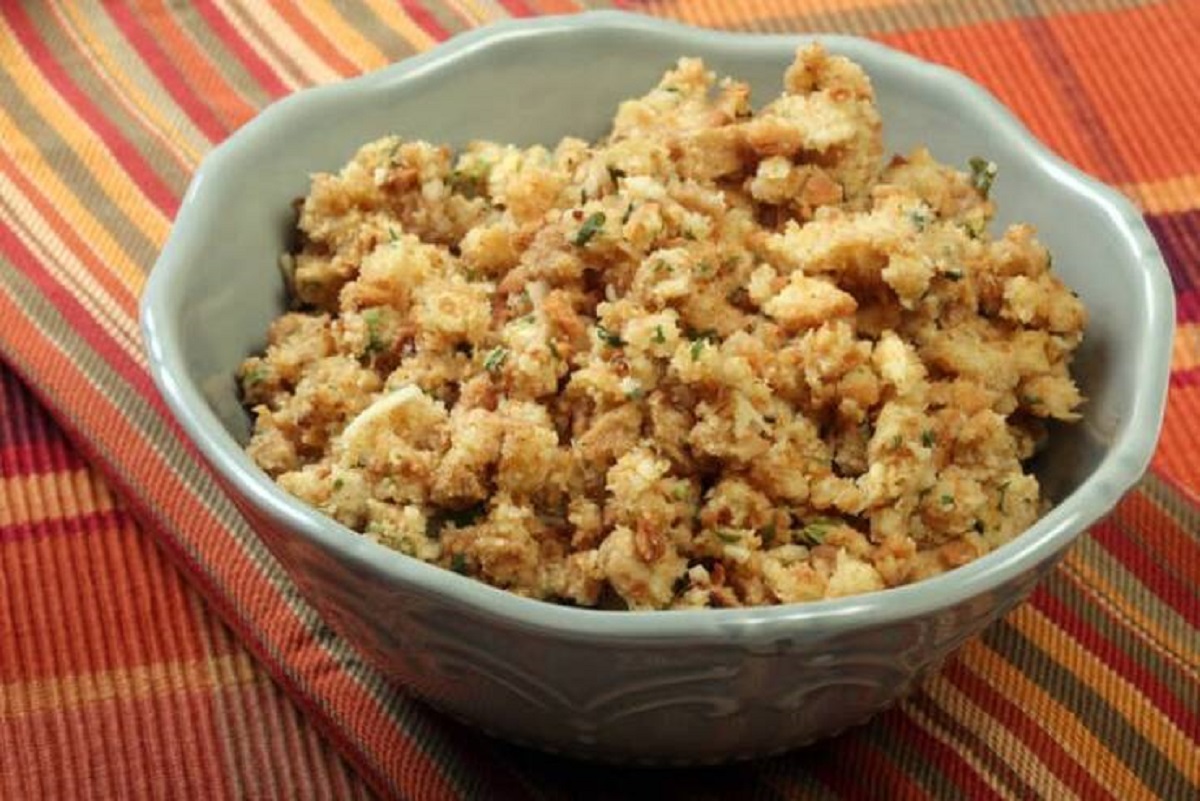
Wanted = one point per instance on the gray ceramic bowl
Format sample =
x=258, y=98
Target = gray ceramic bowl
x=666, y=687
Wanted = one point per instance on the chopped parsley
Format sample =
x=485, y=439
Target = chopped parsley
x=610, y=338
x=947, y=500
x=897, y=441
x=1031, y=400
x=928, y=439
x=697, y=346
x=635, y=393
x=338, y=483
x=767, y=534
x=495, y=359
x=553, y=349
x=376, y=341
x=628, y=213
x=920, y=218
x=680, y=491
x=659, y=337
x=728, y=537
x=661, y=266
x=591, y=226
x=458, y=563
x=255, y=376
x=392, y=235
x=983, y=174
x=815, y=531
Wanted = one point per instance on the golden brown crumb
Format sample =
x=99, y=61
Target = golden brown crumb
x=715, y=359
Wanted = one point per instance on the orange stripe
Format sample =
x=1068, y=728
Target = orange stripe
x=202, y=73
x=392, y=15
x=1075, y=738
x=1138, y=65
x=1159, y=530
x=344, y=38
x=314, y=37
x=55, y=235
x=269, y=34
x=1080, y=569
x=1180, y=439
x=1117, y=691
x=40, y=497
x=184, y=148
x=83, y=142
x=1185, y=351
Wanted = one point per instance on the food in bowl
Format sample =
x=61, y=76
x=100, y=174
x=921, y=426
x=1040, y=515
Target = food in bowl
x=718, y=358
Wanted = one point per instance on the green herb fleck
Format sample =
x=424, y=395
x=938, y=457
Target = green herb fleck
x=767, y=534
x=947, y=500
x=983, y=174
x=728, y=537
x=704, y=269
x=680, y=491
x=815, y=531
x=1031, y=400
x=953, y=275
x=392, y=235
x=689, y=235
x=897, y=441
x=495, y=359
x=659, y=337
x=675, y=90
x=697, y=346
x=628, y=213
x=637, y=393
x=338, y=483
x=591, y=226
x=376, y=341
x=920, y=218
x=615, y=173
x=610, y=338
x=1003, y=492
x=928, y=439
x=553, y=349
x=661, y=266
x=458, y=563
x=255, y=376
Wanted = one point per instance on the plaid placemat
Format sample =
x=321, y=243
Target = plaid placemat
x=116, y=680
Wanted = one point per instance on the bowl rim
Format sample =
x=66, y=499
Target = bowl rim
x=1117, y=473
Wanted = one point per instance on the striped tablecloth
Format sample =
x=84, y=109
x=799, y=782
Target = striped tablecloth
x=149, y=646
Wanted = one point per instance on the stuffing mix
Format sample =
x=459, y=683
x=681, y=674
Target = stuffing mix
x=718, y=358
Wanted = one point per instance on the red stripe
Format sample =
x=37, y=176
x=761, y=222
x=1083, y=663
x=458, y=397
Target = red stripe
x=167, y=74
x=155, y=497
x=517, y=8
x=266, y=77
x=97, y=270
x=36, y=458
x=1186, y=378
x=1030, y=733
x=82, y=320
x=1133, y=556
x=424, y=19
x=941, y=756
x=124, y=153
x=1118, y=660
x=73, y=525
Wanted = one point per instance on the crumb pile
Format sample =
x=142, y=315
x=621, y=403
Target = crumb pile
x=718, y=358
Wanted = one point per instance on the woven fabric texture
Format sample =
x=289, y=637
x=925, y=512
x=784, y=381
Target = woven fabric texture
x=151, y=648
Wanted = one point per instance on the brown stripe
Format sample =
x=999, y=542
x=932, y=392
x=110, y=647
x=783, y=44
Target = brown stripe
x=1124, y=742
x=363, y=19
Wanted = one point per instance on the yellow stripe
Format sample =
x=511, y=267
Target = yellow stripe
x=392, y=15
x=1168, y=196
x=37, y=498
x=953, y=743
x=477, y=13
x=35, y=169
x=83, y=141
x=1075, y=738
x=723, y=14
x=64, y=264
x=998, y=737
x=312, y=67
x=1085, y=565
x=1122, y=695
x=186, y=143
x=1185, y=353
x=286, y=75
x=127, y=684
x=345, y=38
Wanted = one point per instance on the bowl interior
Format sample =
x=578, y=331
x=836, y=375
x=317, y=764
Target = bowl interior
x=526, y=88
